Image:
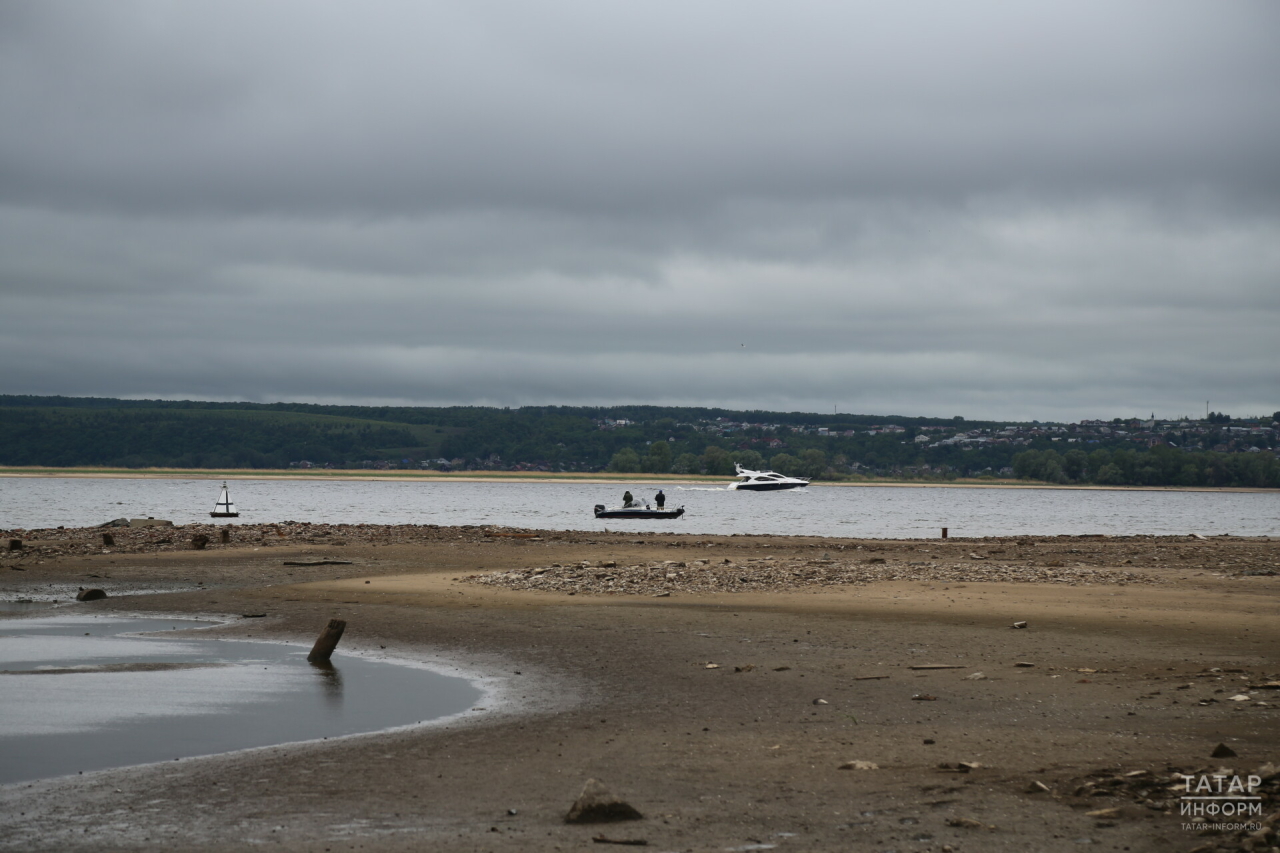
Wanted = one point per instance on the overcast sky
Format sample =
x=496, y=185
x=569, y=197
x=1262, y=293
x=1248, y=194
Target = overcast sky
x=990, y=209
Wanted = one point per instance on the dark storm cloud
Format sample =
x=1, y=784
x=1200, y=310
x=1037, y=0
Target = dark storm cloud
x=988, y=209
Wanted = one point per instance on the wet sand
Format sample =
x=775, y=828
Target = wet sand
x=699, y=708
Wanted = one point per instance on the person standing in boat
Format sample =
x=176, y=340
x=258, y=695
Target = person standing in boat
x=626, y=498
x=660, y=499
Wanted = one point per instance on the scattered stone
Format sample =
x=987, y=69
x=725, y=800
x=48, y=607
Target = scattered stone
x=1037, y=787
x=821, y=702
x=596, y=804
x=924, y=697
x=977, y=676
x=90, y=594
x=712, y=666
x=1241, y=697
x=966, y=822
x=1223, y=751
x=859, y=765
x=1024, y=663
x=1019, y=624
x=744, y=668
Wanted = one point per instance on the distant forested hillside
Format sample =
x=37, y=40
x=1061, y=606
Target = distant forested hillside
x=68, y=432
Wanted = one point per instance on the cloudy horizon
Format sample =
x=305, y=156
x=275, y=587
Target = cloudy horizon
x=991, y=210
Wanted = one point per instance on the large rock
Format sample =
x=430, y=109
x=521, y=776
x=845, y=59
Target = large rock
x=596, y=804
x=90, y=595
x=150, y=522
x=115, y=522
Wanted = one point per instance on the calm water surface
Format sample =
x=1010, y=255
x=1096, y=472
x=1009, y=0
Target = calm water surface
x=815, y=511
x=243, y=694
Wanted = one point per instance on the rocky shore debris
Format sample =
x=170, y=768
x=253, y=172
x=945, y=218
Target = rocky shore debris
x=90, y=594
x=654, y=578
x=597, y=804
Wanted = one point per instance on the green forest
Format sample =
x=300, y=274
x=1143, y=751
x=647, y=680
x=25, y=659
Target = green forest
x=72, y=432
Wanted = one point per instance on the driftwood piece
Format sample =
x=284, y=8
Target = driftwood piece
x=327, y=641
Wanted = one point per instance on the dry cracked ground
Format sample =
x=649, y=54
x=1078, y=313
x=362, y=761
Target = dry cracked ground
x=741, y=693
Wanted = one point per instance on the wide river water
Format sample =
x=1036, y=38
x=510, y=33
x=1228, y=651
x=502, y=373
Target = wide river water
x=844, y=511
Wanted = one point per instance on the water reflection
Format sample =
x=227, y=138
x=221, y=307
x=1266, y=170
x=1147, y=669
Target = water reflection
x=331, y=678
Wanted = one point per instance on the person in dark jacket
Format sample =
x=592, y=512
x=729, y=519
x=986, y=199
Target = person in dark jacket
x=626, y=498
x=660, y=499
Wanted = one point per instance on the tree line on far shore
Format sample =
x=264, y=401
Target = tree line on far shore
x=70, y=432
x=1158, y=466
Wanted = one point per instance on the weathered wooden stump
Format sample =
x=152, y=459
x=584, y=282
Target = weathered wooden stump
x=328, y=641
x=108, y=539
x=199, y=541
x=15, y=544
x=224, y=536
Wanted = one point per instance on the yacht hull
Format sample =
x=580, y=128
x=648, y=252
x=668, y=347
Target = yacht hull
x=766, y=487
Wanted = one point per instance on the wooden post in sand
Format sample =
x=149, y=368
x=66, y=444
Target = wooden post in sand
x=224, y=536
x=328, y=641
x=108, y=539
x=15, y=544
x=944, y=533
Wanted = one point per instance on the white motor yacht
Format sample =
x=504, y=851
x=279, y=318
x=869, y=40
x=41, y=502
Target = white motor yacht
x=765, y=481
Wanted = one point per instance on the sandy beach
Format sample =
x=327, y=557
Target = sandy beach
x=741, y=692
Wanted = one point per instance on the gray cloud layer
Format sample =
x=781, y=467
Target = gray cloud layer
x=989, y=209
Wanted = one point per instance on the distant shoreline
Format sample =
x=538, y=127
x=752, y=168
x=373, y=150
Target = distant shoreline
x=596, y=478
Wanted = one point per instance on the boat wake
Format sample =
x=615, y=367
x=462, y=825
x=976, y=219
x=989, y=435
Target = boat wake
x=702, y=488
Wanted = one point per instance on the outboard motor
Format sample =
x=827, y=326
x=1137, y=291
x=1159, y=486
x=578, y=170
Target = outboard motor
x=599, y=508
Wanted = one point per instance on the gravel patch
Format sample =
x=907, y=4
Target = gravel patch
x=773, y=575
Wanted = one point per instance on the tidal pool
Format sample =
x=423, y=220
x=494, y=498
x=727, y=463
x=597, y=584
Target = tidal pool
x=81, y=693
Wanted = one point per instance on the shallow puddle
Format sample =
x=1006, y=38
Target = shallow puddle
x=81, y=693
